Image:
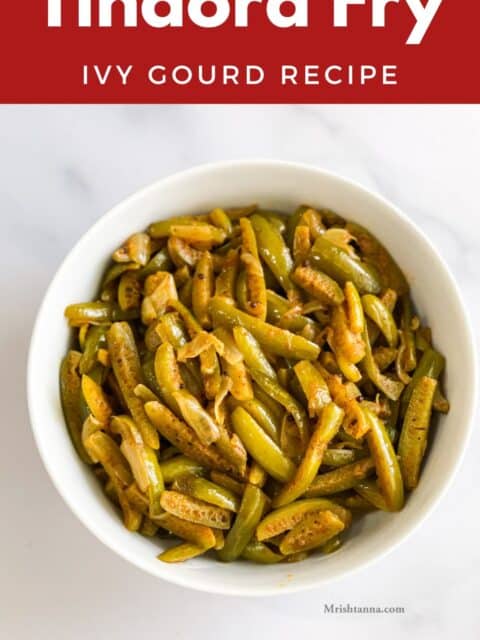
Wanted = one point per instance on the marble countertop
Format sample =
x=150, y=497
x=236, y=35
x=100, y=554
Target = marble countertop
x=61, y=168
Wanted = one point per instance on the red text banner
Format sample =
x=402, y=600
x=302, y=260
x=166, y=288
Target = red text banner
x=239, y=51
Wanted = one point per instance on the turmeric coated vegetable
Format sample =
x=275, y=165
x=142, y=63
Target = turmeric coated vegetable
x=251, y=510
x=341, y=457
x=95, y=339
x=226, y=279
x=97, y=313
x=339, y=265
x=318, y=285
x=408, y=355
x=210, y=492
x=259, y=553
x=302, y=243
x=377, y=311
x=136, y=249
x=255, y=302
x=102, y=448
x=245, y=383
x=203, y=289
x=184, y=438
x=167, y=375
x=374, y=253
x=142, y=460
x=312, y=531
x=413, y=439
x=195, y=510
x=274, y=251
x=369, y=491
x=286, y=518
x=126, y=367
x=314, y=387
x=386, y=384
x=96, y=399
x=70, y=389
x=341, y=479
x=235, y=367
x=279, y=341
x=284, y=398
x=279, y=312
x=252, y=353
x=199, y=420
x=386, y=463
x=179, y=466
x=431, y=365
x=129, y=291
x=197, y=534
x=261, y=447
x=328, y=426
x=181, y=553
x=262, y=414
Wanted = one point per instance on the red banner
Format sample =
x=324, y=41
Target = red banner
x=239, y=51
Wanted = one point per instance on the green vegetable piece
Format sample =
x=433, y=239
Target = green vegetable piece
x=328, y=426
x=94, y=340
x=390, y=387
x=375, y=254
x=252, y=353
x=414, y=436
x=273, y=250
x=386, y=463
x=340, y=457
x=70, y=391
x=159, y=262
x=342, y=267
x=277, y=340
x=163, y=228
x=431, y=365
x=312, y=532
x=287, y=517
x=168, y=376
x=262, y=448
x=208, y=491
x=382, y=317
x=341, y=479
x=178, y=466
x=251, y=510
x=280, y=395
x=181, y=553
x=259, y=553
x=369, y=491
x=263, y=415
x=409, y=355
x=314, y=387
x=89, y=313
x=126, y=366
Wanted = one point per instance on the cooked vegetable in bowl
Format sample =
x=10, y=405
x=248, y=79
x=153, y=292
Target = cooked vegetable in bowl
x=248, y=382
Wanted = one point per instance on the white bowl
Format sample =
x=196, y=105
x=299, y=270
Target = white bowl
x=275, y=185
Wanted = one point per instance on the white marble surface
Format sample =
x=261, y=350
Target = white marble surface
x=61, y=168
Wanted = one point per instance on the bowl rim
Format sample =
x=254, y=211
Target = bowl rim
x=253, y=590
